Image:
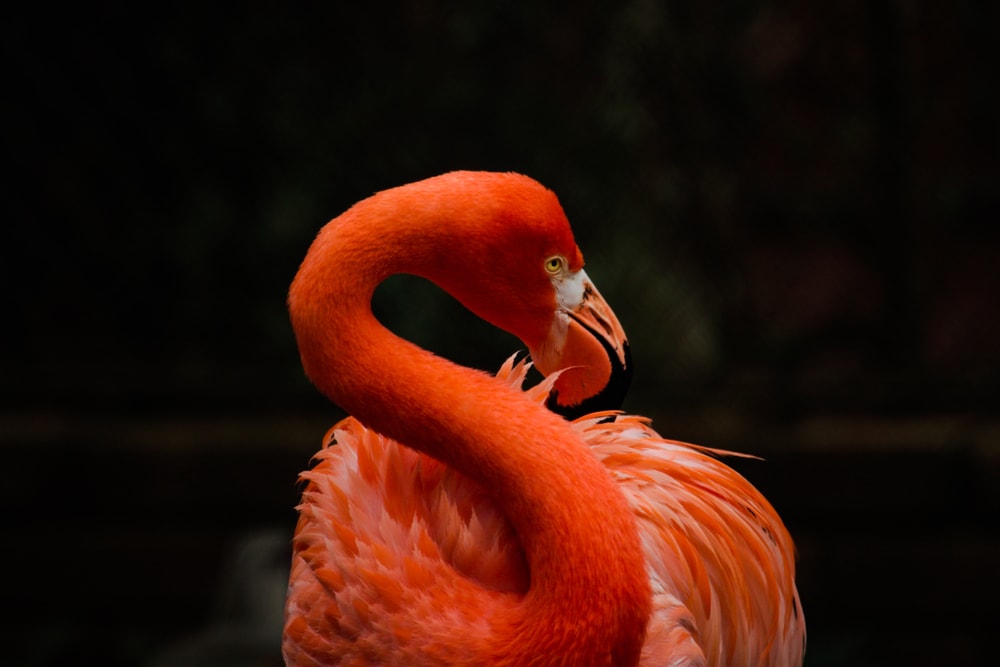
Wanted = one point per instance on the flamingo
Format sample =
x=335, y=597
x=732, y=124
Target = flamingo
x=457, y=519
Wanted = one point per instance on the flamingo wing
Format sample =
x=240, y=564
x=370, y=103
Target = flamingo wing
x=720, y=561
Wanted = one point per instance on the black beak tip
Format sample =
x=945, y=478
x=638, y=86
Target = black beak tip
x=610, y=397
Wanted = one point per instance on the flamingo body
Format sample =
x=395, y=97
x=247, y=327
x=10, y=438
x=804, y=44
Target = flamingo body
x=456, y=521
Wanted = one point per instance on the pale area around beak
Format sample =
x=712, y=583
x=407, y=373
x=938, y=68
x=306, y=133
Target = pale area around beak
x=571, y=289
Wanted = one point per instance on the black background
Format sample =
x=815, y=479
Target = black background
x=791, y=206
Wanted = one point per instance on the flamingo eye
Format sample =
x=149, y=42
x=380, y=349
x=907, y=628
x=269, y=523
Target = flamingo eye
x=555, y=265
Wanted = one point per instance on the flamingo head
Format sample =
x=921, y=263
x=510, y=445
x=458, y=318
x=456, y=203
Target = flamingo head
x=517, y=266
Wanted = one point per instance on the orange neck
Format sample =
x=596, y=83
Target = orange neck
x=589, y=597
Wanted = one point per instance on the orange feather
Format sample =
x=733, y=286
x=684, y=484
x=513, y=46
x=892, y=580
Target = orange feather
x=500, y=534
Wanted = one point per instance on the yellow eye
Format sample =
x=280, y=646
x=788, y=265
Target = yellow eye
x=555, y=264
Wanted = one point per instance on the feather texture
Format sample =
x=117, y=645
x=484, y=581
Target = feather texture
x=502, y=534
x=390, y=542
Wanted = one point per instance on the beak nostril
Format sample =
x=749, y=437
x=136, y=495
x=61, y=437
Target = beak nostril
x=605, y=324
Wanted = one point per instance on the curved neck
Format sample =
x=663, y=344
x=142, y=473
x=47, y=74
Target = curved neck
x=589, y=595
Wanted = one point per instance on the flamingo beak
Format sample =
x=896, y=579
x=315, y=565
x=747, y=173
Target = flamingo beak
x=588, y=345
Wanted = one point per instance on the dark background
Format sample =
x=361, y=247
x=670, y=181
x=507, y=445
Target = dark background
x=791, y=206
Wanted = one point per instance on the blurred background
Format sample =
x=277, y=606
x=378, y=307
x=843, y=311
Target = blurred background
x=793, y=208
